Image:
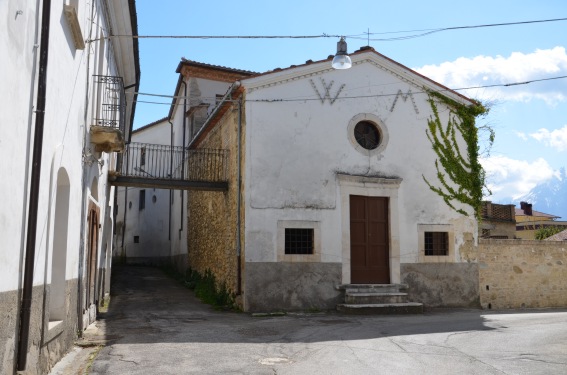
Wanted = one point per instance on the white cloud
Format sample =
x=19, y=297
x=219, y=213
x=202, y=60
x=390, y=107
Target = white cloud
x=522, y=135
x=518, y=67
x=556, y=138
x=511, y=178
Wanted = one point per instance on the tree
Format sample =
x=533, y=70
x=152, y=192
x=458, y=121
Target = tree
x=543, y=232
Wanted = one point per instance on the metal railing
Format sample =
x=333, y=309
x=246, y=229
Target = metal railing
x=151, y=161
x=110, y=109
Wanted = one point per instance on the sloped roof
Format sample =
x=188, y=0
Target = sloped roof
x=520, y=212
x=368, y=49
x=248, y=75
x=185, y=61
x=561, y=236
x=210, y=67
x=150, y=124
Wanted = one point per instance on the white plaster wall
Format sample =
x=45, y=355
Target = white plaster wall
x=16, y=41
x=294, y=150
x=179, y=212
x=152, y=224
x=209, y=89
x=65, y=131
x=159, y=134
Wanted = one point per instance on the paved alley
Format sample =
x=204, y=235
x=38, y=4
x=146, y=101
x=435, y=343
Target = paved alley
x=157, y=326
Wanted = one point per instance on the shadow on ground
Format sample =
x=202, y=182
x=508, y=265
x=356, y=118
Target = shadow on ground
x=147, y=306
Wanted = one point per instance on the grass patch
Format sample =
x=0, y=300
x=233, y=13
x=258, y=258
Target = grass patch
x=92, y=357
x=206, y=288
x=103, y=307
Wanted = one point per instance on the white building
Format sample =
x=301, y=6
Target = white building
x=155, y=221
x=326, y=188
x=67, y=106
x=143, y=230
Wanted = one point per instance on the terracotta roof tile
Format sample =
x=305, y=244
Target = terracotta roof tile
x=185, y=61
x=367, y=49
x=561, y=236
x=520, y=212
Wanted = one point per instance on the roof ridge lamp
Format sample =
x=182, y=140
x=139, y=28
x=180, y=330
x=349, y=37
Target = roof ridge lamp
x=341, y=59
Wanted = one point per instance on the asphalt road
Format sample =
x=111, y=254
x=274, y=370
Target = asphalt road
x=156, y=326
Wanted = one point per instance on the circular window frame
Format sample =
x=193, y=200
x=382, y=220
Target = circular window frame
x=374, y=120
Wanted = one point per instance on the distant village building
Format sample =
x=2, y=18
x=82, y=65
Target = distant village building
x=67, y=109
x=498, y=221
x=528, y=221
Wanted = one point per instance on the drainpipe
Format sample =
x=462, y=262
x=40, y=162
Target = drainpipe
x=171, y=177
x=238, y=200
x=124, y=220
x=126, y=208
x=184, y=152
x=34, y=190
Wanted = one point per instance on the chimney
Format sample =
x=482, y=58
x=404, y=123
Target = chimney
x=526, y=207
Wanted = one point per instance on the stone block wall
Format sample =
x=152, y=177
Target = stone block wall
x=287, y=286
x=212, y=215
x=522, y=273
x=45, y=346
x=442, y=284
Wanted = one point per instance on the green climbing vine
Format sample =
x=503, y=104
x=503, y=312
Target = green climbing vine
x=461, y=176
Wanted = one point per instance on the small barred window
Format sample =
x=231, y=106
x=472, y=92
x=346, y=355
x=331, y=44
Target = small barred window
x=299, y=240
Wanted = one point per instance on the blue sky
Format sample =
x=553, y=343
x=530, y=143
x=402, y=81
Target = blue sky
x=530, y=120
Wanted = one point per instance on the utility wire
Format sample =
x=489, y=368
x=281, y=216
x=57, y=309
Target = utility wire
x=432, y=31
x=324, y=35
x=359, y=96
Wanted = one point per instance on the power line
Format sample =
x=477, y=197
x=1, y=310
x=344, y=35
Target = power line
x=432, y=31
x=423, y=32
x=363, y=96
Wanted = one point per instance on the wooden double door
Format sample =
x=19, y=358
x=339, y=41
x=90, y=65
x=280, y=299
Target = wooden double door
x=369, y=240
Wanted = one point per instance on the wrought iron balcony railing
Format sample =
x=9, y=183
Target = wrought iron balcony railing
x=151, y=161
x=110, y=109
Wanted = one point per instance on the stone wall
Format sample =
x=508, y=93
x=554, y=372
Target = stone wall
x=522, y=273
x=442, y=284
x=45, y=346
x=211, y=234
x=286, y=286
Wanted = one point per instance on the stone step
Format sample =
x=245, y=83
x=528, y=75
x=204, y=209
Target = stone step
x=374, y=298
x=373, y=288
x=381, y=308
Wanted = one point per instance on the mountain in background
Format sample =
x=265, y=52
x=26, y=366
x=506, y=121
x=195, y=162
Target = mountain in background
x=549, y=197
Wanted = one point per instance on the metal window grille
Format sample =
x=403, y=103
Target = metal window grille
x=110, y=107
x=298, y=241
x=436, y=243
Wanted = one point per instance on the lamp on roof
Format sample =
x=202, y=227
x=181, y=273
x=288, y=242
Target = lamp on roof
x=341, y=59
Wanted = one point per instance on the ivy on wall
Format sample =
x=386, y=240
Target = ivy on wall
x=461, y=176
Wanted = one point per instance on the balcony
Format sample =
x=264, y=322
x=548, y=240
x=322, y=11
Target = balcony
x=163, y=167
x=498, y=220
x=109, y=117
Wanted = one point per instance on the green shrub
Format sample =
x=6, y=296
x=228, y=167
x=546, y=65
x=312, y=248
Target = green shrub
x=206, y=288
x=544, y=232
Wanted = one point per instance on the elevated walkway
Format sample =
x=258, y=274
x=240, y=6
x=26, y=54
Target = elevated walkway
x=166, y=167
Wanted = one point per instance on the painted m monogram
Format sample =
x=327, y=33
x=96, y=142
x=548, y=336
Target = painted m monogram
x=404, y=98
